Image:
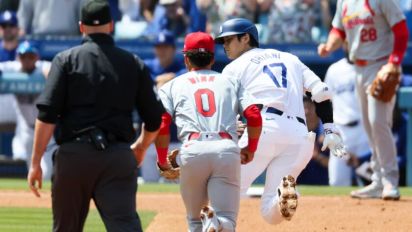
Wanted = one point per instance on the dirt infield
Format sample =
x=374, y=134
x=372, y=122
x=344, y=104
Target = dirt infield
x=314, y=213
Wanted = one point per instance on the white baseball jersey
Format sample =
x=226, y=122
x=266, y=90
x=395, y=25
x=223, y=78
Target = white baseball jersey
x=340, y=78
x=277, y=79
x=26, y=112
x=26, y=102
x=204, y=101
x=367, y=25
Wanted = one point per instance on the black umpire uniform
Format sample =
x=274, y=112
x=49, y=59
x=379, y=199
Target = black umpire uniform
x=90, y=94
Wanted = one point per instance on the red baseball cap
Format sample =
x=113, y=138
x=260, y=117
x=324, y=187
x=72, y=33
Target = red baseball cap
x=199, y=42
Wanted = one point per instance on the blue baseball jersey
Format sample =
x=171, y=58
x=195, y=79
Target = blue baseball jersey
x=156, y=69
x=7, y=55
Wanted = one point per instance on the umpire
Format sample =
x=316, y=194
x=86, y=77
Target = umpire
x=89, y=97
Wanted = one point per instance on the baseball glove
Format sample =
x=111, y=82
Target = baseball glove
x=172, y=172
x=386, y=82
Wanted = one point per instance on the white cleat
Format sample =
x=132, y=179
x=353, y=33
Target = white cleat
x=288, y=198
x=391, y=193
x=209, y=219
x=371, y=191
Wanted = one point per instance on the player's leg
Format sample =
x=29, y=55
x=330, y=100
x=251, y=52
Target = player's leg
x=290, y=162
x=224, y=186
x=362, y=85
x=380, y=118
x=195, y=170
x=115, y=191
x=339, y=172
x=263, y=155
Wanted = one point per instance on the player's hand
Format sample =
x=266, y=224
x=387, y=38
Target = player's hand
x=322, y=50
x=35, y=178
x=334, y=142
x=246, y=156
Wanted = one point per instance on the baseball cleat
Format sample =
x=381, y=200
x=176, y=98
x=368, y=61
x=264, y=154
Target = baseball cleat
x=209, y=220
x=288, y=198
x=391, y=193
x=371, y=191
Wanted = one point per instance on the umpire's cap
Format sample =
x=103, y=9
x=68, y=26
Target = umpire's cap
x=8, y=18
x=95, y=13
x=199, y=42
x=237, y=26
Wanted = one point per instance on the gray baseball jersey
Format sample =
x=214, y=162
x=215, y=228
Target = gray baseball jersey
x=204, y=101
x=367, y=25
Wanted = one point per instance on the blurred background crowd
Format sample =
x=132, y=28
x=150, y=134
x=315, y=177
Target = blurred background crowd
x=164, y=23
x=279, y=21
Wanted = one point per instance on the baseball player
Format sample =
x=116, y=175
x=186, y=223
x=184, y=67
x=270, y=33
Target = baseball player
x=377, y=54
x=204, y=105
x=340, y=78
x=28, y=62
x=278, y=80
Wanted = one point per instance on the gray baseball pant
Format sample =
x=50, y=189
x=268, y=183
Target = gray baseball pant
x=210, y=170
x=377, y=119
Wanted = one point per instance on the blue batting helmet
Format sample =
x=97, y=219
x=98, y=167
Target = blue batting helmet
x=237, y=26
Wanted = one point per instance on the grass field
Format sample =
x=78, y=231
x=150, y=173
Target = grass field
x=40, y=219
x=21, y=184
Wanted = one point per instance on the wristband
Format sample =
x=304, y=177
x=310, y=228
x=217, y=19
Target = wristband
x=162, y=155
x=252, y=144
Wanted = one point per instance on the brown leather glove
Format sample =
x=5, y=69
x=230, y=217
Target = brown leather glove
x=172, y=169
x=386, y=82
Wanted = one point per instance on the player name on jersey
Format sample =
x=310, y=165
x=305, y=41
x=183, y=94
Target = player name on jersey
x=199, y=79
x=264, y=56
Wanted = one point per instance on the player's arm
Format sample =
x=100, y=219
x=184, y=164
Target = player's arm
x=319, y=90
x=335, y=40
x=254, y=128
x=400, y=43
x=163, y=139
x=396, y=19
x=336, y=34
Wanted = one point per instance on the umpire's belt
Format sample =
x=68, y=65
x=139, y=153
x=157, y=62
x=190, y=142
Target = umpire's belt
x=82, y=139
x=280, y=113
x=85, y=138
x=363, y=63
x=204, y=136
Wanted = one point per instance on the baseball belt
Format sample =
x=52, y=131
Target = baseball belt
x=197, y=135
x=363, y=63
x=280, y=113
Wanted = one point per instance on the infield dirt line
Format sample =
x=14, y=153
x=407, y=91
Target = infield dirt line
x=315, y=213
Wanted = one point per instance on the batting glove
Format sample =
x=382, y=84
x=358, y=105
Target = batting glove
x=333, y=141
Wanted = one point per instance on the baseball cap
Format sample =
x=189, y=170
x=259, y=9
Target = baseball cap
x=165, y=38
x=199, y=42
x=26, y=47
x=95, y=13
x=8, y=17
